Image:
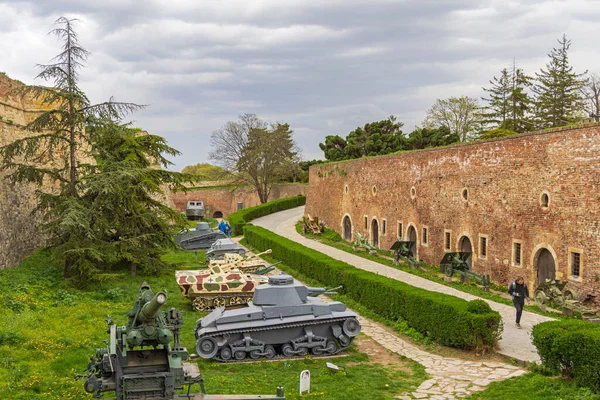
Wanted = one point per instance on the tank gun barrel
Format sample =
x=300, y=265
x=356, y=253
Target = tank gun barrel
x=268, y=251
x=312, y=291
x=151, y=308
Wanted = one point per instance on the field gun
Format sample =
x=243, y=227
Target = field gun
x=458, y=262
x=404, y=250
x=145, y=358
x=361, y=241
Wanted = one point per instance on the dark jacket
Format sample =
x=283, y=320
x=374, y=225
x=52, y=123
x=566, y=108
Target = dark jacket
x=514, y=288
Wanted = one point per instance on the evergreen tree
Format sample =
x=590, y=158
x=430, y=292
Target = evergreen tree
x=497, y=111
x=508, y=102
x=559, y=100
x=117, y=221
x=422, y=138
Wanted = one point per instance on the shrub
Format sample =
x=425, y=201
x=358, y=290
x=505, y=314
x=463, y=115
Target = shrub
x=572, y=348
x=238, y=219
x=446, y=319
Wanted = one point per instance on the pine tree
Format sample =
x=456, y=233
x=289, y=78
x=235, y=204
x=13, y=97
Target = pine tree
x=509, y=103
x=57, y=141
x=117, y=221
x=498, y=105
x=559, y=101
x=520, y=102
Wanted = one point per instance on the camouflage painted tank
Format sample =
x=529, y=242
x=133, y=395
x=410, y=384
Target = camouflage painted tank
x=247, y=264
x=283, y=319
x=201, y=237
x=208, y=289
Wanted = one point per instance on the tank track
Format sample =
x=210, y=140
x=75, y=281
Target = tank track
x=278, y=356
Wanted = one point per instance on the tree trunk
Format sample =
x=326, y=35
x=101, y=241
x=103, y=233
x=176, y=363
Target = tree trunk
x=133, y=269
x=68, y=268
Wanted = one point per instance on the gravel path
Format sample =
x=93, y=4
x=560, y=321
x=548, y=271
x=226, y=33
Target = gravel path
x=515, y=342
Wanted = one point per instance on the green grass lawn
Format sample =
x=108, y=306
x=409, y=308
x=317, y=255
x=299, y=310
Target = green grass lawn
x=534, y=387
x=48, y=331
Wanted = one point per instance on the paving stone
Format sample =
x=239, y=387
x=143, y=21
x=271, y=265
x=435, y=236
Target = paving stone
x=427, y=384
x=419, y=395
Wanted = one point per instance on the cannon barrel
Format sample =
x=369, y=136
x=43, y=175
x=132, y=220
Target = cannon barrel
x=151, y=308
x=268, y=251
x=313, y=291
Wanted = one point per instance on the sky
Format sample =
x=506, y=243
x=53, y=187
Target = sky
x=324, y=67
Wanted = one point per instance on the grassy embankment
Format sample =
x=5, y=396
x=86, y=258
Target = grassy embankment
x=48, y=331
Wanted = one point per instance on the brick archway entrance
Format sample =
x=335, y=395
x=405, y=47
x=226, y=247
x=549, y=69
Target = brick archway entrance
x=347, y=227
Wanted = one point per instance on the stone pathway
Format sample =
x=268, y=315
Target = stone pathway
x=451, y=378
x=515, y=342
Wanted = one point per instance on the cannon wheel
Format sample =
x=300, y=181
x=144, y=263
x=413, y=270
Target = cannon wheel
x=539, y=296
x=568, y=295
x=449, y=270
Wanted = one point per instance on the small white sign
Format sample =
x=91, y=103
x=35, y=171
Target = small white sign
x=304, y=381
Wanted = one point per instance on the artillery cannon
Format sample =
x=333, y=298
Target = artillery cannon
x=404, y=250
x=457, y=262
x=552, y=291
x=134, y=372
x=364, y=243
x=312, y=225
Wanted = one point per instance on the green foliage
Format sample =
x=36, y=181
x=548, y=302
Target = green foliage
x=478, y=307
x=447, y=321
x=117, y=221
x=533, y=387
x=461, y=115
x=375, y=138
x=571, y=348
x=559, y=90
x=509, y=104
x=64, y=298
x=206, y=172
x=422, y=138
x=239, y=219
x=496, y=133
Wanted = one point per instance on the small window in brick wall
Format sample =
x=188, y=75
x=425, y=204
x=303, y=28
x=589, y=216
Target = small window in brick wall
x=575, y=264
x=447, y=241
x=383, y=227
x=517, y=254
x=483, y=247
x=400, y=230
x=366, y=222
x=425, y=238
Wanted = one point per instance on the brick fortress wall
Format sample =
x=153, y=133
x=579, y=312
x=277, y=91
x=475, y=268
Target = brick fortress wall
x=225, y=199
x=19, y=229
x=494, y=189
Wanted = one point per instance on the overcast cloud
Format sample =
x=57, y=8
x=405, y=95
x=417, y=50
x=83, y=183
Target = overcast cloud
x=325, y=67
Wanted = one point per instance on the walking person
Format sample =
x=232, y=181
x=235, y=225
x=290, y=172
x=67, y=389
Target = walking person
x=519, y=292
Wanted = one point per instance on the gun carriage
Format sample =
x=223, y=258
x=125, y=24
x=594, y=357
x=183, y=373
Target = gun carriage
x=404, y=250
x=458, y=262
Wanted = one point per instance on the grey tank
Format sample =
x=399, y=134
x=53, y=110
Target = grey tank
x=283, y=319
x=202, y=237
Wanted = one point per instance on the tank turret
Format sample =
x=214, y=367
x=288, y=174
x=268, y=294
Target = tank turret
x=283, y=318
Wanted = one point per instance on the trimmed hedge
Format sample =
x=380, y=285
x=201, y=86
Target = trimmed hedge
x=446, y=319
x=572, y=348
x=239, y=219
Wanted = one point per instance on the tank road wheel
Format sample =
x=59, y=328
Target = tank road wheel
x=303, y=351
x=351, y=327
x=207, y=347
x=219, y=302
x=255, y=354
x=344, y=340
x=287, y=350
x=331, y=347
x=235, y=300
x=239, y=355
x=225, y=353
x=200, y=304
x=270, y=352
